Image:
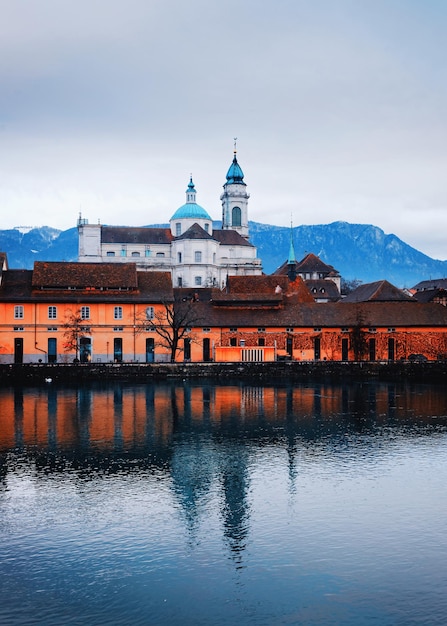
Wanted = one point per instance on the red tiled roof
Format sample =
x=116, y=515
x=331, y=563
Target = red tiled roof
x=130, y=234
x=379, y=291
x=195, y=232
x=309, y=265
x=230, y=238
x=84, y=275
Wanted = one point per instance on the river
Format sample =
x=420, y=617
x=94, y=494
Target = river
x=197, y=504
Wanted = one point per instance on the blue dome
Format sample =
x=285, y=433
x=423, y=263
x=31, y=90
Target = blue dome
x=235, y=173
x=191, y=210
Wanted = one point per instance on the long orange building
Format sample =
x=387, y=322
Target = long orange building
x=104, y=312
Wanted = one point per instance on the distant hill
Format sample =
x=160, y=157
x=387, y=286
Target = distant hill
x=358, y=251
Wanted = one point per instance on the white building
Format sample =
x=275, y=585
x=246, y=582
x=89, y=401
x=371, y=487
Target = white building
x=196, y=254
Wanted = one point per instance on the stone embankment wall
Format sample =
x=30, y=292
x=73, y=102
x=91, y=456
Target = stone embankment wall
x=277, y=372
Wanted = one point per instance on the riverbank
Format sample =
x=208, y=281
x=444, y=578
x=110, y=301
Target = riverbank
x=288, y=371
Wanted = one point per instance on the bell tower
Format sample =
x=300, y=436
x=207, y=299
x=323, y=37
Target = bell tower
x=235, y=200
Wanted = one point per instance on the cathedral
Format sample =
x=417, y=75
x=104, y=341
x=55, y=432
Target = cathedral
x=195, y=253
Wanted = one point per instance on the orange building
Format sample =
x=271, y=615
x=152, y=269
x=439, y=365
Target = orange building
x=103, y=312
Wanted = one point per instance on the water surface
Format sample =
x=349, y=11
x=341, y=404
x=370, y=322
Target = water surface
x=199, y=504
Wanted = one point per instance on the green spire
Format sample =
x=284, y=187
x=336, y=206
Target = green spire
x=292, y=258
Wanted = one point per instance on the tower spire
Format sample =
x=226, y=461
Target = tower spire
x=291, y=261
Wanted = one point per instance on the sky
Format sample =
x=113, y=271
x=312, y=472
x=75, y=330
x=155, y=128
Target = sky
x=339, y=108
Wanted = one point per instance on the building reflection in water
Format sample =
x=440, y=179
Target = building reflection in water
x=201, y=436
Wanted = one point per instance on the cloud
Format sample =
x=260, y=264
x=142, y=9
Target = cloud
x=339, y=107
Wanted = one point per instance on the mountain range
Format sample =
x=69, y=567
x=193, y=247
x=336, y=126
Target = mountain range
x=358, y=251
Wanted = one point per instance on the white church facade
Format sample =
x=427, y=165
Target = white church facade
x=196, y=254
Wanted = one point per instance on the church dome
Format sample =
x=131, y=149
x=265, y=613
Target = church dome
x=191, y=210
x=235, y=173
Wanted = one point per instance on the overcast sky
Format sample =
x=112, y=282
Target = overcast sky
x=339, y=107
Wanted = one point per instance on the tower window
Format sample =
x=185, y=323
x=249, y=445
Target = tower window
x=198, y=281
x=236, y=216
x=178, y=229
x=197, y=256
x=179, y=257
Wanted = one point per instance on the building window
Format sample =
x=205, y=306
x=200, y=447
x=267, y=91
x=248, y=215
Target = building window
x=110, y=253
x=178, y=229
x=118, y=329
x=160, y=254
x=134, y=254
x=85, y=312
x=18, y=312
x=207, y=228
x=391, y=330
x=123, y=252
x=233, y=329
x=236, y=216
x=206, y=330
x=197, y=281
x=179, y=281
x=197, y=256
x=18, y=328
x=261, y=330
x=118, y=313
x=317, y=329
x=150, y=313
x=52, y=329
x=289, y=330
x=261, y=342
x=345, y=329
x=179, y=257
x=147, y=252
x=52, y=312
x=233, y=341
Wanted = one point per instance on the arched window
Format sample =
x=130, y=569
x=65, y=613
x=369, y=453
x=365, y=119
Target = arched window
x=236, y=216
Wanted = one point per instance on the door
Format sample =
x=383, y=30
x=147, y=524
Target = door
x=372, y=349
x=345, y=349
x=391, y=349
x=150, y=350
x=18, y=350
x=206, y=349
x=118, y=350
x=187, y=349
x=52, y=350
x=317, y=348
x=85, y=350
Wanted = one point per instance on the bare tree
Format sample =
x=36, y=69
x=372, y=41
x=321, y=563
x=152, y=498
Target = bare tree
x=75, y=329
x=173, y=323
x=347, y=286
x=358, y=336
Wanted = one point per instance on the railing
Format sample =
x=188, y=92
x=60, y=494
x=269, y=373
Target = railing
x=242, y=354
